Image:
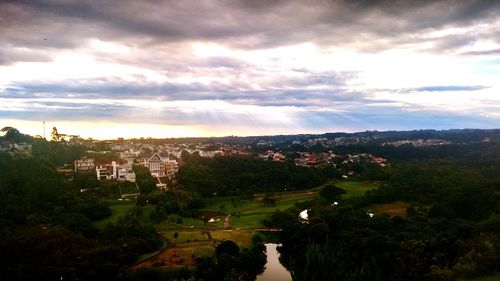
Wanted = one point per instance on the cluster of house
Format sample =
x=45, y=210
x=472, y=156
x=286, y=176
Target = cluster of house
x=304, y=159
x=331, y=142
x=356, y=158
x=120, y=171
x=313, y=159
x=272, y=155
x=418, y=142
x=136, y=150
x=160, y=160
x=15, y=148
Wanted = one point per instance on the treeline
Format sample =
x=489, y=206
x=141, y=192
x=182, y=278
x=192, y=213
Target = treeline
x=451, y=230
x=242, y=175
x=473, y=154
x=56, y=154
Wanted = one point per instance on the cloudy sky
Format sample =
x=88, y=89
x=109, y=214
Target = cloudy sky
x=107, y=69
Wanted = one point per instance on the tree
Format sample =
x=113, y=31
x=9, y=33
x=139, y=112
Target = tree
x=331, y=193
x=55, y=134
x=227, y=247
x=13, y=135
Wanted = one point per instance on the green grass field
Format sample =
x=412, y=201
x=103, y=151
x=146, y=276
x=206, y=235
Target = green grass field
x=249, y=213
x=242, y=238
x=118, y=209
x=184, y=236
x=176, y=221
x=233, y=205
x=355, y=188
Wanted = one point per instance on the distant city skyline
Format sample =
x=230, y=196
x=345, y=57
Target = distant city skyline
x=108, y=69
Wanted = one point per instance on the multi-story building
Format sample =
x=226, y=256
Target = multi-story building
x=104, y=172
x=171, y=168
x=121, y=172
x=84, y=165
x=124, y=172
x=155, y=165
x=161, y=166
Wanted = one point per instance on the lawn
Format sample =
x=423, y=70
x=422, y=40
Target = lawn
x=355, y=188
x=392, y=209
x=231, y=205
x=249, y=213
x=184, y=236
x=176, y=221
x=242, y=238
x=118, y=209
x=248, y=221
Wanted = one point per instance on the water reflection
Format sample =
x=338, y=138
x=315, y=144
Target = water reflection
x=274, y=271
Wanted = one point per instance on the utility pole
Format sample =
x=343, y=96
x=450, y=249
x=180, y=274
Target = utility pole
x=44, y=130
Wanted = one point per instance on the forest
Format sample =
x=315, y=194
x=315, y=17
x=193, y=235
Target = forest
x=233, y=176
x=450, y=231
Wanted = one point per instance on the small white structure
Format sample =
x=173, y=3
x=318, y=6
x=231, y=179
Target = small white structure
x=304, y=216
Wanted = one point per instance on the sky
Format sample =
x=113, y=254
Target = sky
x=107, y=69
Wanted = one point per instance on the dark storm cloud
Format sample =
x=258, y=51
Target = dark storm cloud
x=247, y=24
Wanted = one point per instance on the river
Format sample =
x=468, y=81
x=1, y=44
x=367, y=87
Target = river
x=274, y=271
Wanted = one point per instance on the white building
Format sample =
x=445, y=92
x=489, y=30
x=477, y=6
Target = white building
x=104, y=172
x=84, y=165
x=161, y=166
x=155, y=165
x=115, y=171
x=124, y=172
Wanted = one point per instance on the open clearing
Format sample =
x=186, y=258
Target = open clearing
x=355, y=188
x=118, y=209
x=178, y=257
x=392, y=209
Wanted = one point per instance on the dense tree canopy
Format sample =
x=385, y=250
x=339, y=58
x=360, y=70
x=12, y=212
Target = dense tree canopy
x=236, y=175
